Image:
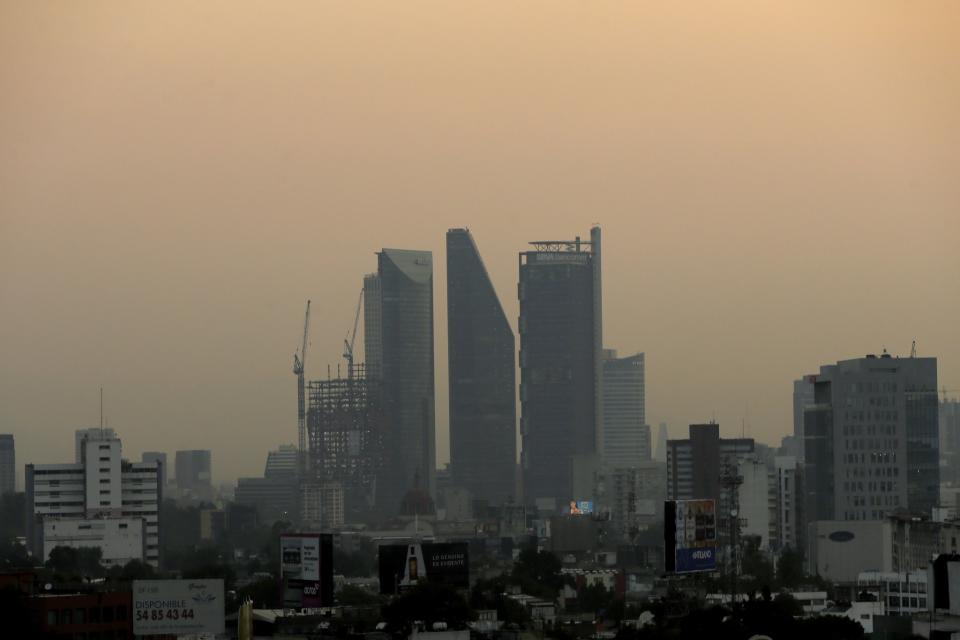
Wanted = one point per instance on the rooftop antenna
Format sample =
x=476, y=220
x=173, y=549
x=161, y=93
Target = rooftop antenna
x=913, y=349
x=101, y=409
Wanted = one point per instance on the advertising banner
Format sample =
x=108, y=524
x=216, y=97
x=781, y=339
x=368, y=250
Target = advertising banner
x=581, y=507
x=177, y=607
x=306, y=569
x=690, y=536
x=403, y=565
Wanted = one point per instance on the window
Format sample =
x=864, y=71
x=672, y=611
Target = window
x=53, y=617
x=108, y=614
x=80, y=616
x=66, y=616
x=121, y=612
x=94, y=613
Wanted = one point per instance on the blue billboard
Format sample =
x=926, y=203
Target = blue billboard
x=690, y=536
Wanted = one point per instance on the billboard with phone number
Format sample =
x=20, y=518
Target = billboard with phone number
x=177, y=607
x=690, y=536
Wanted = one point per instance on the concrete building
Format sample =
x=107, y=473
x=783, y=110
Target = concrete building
x=398, y=341
x=693, y=465
x=757, y=498
x=100, y=487
x=194, y=469
x=789, y=515
x=8, y=464
x=632, y=497
x=871, y=439
x=626, y=434
x=838, y=550
x=281, y=462
x=902, y=592
x=949, y=426
x=660, y=454
x=561, y=339
x=120, y=539
x=482, y=376
x=275, y=498
x=802, y=398
x=160, y=459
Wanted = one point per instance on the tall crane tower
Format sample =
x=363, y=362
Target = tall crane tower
x=351, y=337
x=299, y=362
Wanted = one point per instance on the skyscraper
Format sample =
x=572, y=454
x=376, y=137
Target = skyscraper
x=398, y=341
x=561, y=341
x=8, y=464
x=871, y=440
x=626, y=434
x=194, y=470
x=802, y=398
x=482, y=376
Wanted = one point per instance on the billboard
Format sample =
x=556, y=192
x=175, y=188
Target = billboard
x=177, y=607
x=690, y=536
x=581, y=507
x=306, y=569
x=404, y=565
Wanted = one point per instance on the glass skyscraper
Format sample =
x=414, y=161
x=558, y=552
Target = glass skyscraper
x=398, y=342
x=560, y=365
x=482, y=374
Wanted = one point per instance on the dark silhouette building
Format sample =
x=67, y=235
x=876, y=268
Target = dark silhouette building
x=560, y=364
x=398, y=342
x=482, y=375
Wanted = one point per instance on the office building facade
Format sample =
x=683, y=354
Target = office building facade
x=8, y=464
x=626, y=434
x=561, y=341
x=871, y=439
x=802, y=398
x=789, y=501
x=482, y=377
x=398, y=345
x=160, y=458
x=100, y=487
x=194, y=473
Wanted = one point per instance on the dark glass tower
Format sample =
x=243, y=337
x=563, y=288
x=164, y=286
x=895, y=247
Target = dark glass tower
x=399, y=351
x=483, y=413
x=560, y=364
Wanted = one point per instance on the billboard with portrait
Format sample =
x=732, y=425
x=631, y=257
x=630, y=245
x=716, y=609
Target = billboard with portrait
x=690, y=536
x=404, y=565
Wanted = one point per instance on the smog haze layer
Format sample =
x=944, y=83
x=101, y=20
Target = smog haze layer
x=777, y=185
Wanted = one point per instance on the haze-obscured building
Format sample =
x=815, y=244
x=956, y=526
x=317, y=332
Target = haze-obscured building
x=281, y=462
x=789, y=503
x=802, y=398
x=398, y=342
x=871, y=439
x=561, y=341
x=8, y=464
x=632, y=498
x=626, y=434
x=194, y=473
x=95, y=502
x=482, y=376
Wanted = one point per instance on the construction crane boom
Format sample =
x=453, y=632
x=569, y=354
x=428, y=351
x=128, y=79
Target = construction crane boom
x=299, y=362
x=351, y=338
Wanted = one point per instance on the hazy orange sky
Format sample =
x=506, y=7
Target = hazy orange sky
x=778, y=185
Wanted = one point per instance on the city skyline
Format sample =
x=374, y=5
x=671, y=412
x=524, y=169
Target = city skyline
x=762, y=203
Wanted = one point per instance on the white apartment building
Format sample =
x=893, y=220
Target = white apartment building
x=788, y=502
x=99, y=486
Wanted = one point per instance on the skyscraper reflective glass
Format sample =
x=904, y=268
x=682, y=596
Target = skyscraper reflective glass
x=482, y=376
x=399, y=350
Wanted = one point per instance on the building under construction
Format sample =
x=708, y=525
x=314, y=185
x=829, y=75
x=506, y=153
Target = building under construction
x=344, y=439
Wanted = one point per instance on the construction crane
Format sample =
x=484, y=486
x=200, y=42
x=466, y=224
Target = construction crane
x=351, y=337
x=299, y=362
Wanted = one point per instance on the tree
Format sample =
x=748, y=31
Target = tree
x=352, y=595
x=537, y=573
x=790, y=572
x=594, y=597
x=428, y=602
x=76, y=562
